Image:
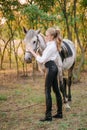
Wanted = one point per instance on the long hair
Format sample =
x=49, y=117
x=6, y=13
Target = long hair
x=55, y=32
x=58, y=39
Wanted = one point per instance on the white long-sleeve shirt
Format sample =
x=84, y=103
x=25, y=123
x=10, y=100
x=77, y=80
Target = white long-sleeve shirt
x=50, y=53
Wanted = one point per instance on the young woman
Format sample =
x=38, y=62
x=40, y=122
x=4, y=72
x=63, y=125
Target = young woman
x=48, y=59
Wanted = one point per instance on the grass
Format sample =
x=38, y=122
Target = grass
x=22, y=104
x=3, y=97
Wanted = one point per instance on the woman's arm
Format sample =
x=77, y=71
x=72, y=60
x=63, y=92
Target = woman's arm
x=45, y=56
x=38, y=58
x=33, y=53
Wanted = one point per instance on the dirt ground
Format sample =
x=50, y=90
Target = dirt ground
x=22, y=104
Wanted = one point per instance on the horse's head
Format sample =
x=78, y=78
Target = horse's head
x=30, y=40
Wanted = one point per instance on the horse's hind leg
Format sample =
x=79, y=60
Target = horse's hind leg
x=70, y=73
x=69, y=87
x=63, y=89
x=65, y=85
x=64, y=93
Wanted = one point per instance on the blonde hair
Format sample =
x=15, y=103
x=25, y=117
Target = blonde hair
x=55, y=32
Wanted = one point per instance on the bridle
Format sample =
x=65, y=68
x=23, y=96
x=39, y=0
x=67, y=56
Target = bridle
x=37, y=45
x=37, y=49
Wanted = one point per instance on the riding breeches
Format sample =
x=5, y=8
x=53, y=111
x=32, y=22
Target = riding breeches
x=51, y=81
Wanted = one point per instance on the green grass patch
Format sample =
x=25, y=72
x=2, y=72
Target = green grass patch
x=82, y=129
x=25, y=106
x=18, y=92
x=3, y=115
x=37, y=99
x=3, y=97
x=63, y=126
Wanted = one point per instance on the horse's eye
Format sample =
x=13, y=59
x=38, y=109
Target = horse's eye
x=34, y=42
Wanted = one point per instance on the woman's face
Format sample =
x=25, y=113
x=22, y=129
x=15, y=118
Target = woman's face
x=48, y=37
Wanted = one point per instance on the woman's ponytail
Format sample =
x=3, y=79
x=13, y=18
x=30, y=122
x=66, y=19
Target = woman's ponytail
x=58, y=39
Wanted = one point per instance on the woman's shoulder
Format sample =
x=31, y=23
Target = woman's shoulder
x=51, y=43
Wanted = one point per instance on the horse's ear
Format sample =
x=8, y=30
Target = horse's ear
x=38, y=31
x=25, y=30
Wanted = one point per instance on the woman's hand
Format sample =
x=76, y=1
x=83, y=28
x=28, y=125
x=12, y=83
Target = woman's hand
x=31, y=50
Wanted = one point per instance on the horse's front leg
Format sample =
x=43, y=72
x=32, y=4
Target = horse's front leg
x=69, y=88
x=70, y=73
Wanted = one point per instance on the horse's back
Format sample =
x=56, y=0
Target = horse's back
x=71, y=45
x=71, y=54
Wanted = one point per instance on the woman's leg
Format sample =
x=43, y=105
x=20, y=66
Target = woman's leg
x=58, y=98
x=48, y=84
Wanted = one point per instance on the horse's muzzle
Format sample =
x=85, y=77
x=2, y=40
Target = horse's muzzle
x=29, y=60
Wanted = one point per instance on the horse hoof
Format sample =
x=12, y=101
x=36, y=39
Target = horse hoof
x=69, y=100
x=67, y=106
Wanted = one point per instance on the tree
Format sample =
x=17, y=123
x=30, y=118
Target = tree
x=69, y=15
x=37, y=17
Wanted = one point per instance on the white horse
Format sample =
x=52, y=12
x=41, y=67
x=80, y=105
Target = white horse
x=36, y=41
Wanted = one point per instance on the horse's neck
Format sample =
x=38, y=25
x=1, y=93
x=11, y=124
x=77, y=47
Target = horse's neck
x=42, y=42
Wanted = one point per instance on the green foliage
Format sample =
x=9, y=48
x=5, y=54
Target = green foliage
x=45, y=4
x=84, y=3
x=7, y=7
x=76, y=19
x=36, y=16
x=33, y=12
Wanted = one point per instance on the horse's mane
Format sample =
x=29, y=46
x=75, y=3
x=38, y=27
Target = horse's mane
x=42, y=35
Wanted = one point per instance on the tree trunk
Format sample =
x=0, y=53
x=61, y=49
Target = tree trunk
x=2, y=57
x=79, y=43
x=63, y=7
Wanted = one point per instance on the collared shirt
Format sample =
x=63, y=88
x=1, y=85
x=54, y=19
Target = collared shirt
x=50, y=53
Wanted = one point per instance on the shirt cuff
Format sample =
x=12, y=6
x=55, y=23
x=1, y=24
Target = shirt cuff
x=38, y=58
